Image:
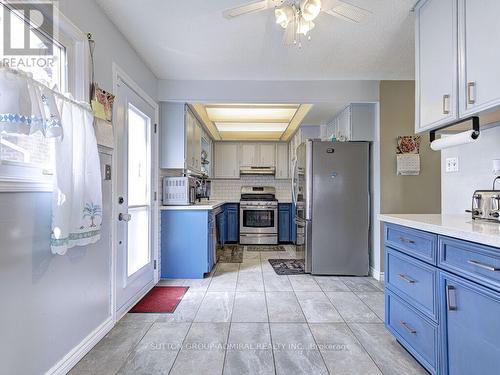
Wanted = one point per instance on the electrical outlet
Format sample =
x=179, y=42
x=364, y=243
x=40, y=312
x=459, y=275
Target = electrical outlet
x=451, y=165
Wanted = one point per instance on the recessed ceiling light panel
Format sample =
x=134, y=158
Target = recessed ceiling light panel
x=251, y=114
x=251, y=127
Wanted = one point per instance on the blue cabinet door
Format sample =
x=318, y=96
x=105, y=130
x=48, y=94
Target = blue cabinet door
x=232, y=222
x=221, y=228
x=284, y=227
x=470, y=327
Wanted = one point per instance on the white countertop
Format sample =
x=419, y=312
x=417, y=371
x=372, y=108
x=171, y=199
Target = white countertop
x=203, y=205
x=458, y=226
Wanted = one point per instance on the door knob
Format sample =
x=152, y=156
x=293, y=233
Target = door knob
x=124, y=217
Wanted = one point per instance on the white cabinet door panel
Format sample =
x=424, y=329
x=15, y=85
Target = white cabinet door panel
x=267, y=154
x=480, y=55
x=249, y=154
x=436, y=64
x=226, y=160
x=282, y=161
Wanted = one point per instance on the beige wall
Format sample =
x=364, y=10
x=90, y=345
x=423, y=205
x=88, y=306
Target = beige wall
x=405, y=194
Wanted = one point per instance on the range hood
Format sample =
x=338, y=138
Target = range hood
x=257, y=171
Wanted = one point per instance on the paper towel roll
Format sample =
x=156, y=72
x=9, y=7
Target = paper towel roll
x=463, y=138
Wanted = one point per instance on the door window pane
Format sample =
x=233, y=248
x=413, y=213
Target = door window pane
x=258, y=219
x=138, y=158
x=138, y=240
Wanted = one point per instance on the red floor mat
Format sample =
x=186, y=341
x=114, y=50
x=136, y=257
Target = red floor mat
x=160, y=299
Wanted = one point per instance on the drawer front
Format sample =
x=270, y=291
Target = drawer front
x=417, y=334
x=421, y=245
x=473, y=261
x=414, y=281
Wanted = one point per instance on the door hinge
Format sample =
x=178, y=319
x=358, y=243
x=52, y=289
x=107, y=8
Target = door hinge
x=154, y=264
x=156, y=128
x=155, y=196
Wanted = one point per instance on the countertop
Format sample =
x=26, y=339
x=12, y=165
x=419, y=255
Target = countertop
x=458, y=226
x=207, y=205
x=203, y=205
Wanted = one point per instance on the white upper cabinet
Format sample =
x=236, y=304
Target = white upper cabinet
x=257, y=154
x=457, y=60
x=480, y=55
x=356, y=122
x=436, y=64
x=282, y=161
x=267, y=155
x=227, y=163
x=249, y=154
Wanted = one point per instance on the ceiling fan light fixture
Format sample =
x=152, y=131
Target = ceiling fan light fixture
x=283, y=16
x=310, y=9
x=304, y=26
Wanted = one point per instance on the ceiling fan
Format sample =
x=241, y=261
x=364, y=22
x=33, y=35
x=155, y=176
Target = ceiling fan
x=296, y=16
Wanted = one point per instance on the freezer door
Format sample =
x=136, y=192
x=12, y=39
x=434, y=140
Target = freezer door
x=340, y=207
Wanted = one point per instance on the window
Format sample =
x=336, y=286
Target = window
x=32, y=157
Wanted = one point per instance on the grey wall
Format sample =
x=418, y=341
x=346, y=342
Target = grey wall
x=405, y=194
x=475, y=171
x=50, y=303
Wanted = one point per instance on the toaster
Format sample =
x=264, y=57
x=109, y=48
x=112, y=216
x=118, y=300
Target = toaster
x=486, y=205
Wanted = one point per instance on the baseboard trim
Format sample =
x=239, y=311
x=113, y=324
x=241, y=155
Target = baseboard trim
x=376, y=274
x=78, y=352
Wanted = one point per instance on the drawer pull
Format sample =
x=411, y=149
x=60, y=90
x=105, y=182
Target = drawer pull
x=407, y=327
x=482, y=265
x=450, y=292
x=406, y=278
x=470, y=92
x=406, y=240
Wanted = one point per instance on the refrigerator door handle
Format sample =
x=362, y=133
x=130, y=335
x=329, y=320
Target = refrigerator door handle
x=294, y=165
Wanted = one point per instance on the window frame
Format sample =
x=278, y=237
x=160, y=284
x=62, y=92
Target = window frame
x=21, y=177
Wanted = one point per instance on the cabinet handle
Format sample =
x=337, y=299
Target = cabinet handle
x=407, y=327
x=450, y=292
x=482, y=265
x=405, y=240
x=406, y=278
x=470, y=92
x=446, y=99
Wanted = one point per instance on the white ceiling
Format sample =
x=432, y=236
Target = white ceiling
x=190, y=40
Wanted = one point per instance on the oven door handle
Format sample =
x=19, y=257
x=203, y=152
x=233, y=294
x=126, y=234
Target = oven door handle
x=258, y=208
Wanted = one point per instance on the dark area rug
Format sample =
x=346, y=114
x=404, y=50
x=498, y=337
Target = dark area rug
x=160, y=299
x=230, y=254
x=265, y=248
x=288, y=266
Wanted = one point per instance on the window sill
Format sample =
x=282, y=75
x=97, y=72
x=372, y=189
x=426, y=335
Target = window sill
x=24, y=185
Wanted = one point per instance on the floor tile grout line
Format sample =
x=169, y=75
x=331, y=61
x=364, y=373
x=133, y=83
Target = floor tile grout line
x=133, y=349
x=230, y=321
x=364, y=348
x=268, y=320
x=368, y=306
x=190, y=325
x=309, y=328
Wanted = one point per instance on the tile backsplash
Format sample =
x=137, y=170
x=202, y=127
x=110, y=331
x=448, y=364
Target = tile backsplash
x=231, y=189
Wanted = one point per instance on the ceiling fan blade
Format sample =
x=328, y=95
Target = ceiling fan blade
x=251, y=7
x=344, y=10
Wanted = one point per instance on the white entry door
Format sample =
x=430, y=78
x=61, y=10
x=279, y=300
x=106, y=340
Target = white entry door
x=133, y=140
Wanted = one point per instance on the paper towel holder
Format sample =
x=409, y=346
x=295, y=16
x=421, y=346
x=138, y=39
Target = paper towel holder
x=475, y=127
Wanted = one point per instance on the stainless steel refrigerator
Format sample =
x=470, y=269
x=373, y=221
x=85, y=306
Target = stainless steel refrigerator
x=331, y=192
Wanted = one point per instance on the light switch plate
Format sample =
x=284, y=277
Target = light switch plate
x=451, y=165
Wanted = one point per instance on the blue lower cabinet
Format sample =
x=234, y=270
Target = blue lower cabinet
x=233, y=224
x=186, y=244
x=221, y=222
x=470, y=327
x=414, y=331
x=286, y=223
x=446, y=315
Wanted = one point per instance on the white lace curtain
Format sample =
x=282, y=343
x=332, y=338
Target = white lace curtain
x=26, y=107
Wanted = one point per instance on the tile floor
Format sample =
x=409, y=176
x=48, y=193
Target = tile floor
x=245, y=319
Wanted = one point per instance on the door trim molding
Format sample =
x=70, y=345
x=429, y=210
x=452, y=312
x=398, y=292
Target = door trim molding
x=119, y=75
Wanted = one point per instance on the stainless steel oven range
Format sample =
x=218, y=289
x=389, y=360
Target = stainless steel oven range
x=258, y=215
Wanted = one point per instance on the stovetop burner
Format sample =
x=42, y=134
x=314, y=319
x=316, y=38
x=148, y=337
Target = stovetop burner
x=258, y=193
